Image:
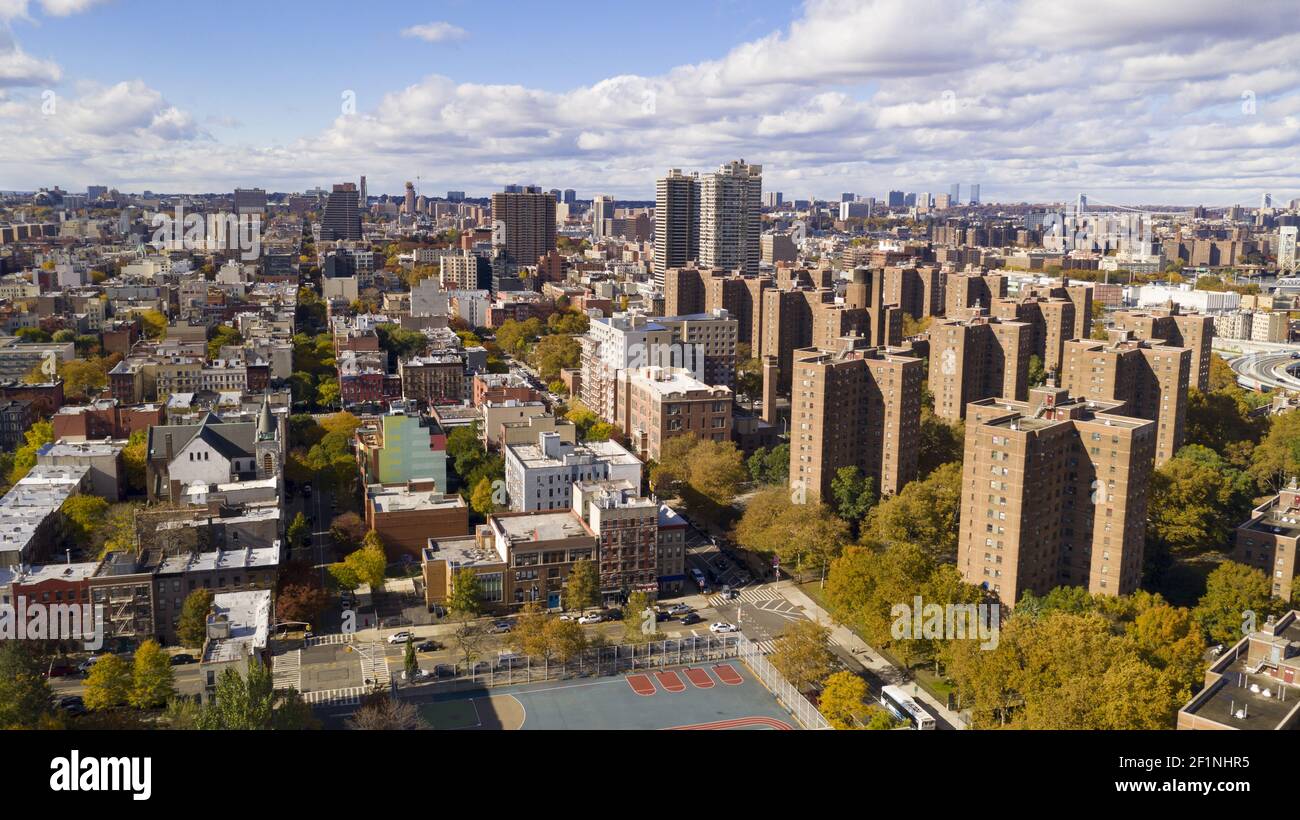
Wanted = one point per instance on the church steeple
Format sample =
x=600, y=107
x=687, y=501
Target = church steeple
x=265, y=422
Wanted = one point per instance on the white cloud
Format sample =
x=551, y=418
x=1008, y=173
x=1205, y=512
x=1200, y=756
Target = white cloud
x=1130, y=101
x=435, y=32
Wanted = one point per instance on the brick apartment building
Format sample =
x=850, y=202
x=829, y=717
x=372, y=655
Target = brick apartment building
x=1054, y=493
x=854, y=406
x=975, y=358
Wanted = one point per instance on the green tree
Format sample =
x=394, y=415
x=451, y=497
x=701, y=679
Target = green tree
x=249, y=701
x=582, y=587
x=925, y=513
x=133, y=462
x=802, y=535
x=941, y=443
x=1276, y=460
x=221, y=336
x=1231, y=591
x=25, y=694
x=1195, y=501
x=152, y=681
x=466, y=593
x=802, y=654
x=1037, y=374
x=409, y=662
x=299, y=532
x=192, y=628
x=852, y=495
x=529, y=635
x=109, y=684
x=366, y=565
x=635, y=619
x=566, y=639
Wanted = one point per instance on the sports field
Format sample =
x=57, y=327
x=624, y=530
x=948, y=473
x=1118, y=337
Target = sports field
x=713, y=695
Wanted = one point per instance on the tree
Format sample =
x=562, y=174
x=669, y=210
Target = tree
x=133, y=462
x=409, y=663
x=1276, y=460
x=192, y=628
x=182, y=714
x=363, y=566
x=84, y=515
x=582, y=587
x=36, y=437
x=798, y=534
x=380, y=712
x=470, y=637
x=925, y=513
x=347, y=529
x=153, y=324
x=301, y=602
x=566, y=639
x=299, y=532
x=466, y=596
x=1232, y=590
x=249, y=701
x=802, y=654
x=83, y=378
x=529, y=635
x=555, y=353
x=1195, y=500
x=482, y=501
x=116, y=533
x=221, y=336
x=852, y=495
x=109, y=684
x=1037, y=374
x=152, y=681
x=843, y=698
x=637, y=615
x=941, y=442
x=25, y=694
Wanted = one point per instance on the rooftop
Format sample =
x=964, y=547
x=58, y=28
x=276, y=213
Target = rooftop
x=249, y=616
x=403, y=499
x=461, y=551
x=551, y=525
x=247, y=558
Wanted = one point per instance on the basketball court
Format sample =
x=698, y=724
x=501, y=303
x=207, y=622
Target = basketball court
x=713, y=695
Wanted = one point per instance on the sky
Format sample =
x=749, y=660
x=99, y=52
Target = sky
x=1173, y=102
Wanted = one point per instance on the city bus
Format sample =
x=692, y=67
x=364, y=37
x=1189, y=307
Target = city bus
x=905, y=708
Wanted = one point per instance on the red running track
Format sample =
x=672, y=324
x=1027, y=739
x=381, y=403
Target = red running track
x=670, y=681
x=699, y=678
x=738, y=723
x=727, y=674
x=641, y=685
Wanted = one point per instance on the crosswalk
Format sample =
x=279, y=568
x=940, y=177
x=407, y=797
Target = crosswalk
x=322, y=640
x=374, y=666
x=287, y=670
x=349, y=696
x=765, y=647
x=752, y=595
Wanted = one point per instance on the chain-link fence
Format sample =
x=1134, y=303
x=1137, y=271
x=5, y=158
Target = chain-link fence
x=789, y=697
x=509, y=669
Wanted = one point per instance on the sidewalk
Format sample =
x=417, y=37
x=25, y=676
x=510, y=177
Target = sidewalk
x=845, y=638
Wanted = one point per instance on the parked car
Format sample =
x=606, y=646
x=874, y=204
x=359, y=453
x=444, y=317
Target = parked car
x=428, y=646
x=680, y=609
x=438, y=610
x=591, y=618
x=722, y=627
x=182, y=659
x=691, y=618
x=86, y=665
x=613, y=614
x=400, y=637
x=420, y=675
x=61, y=669
x=72, y=704
x=499, y=627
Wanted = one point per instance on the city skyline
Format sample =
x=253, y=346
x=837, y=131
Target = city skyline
x=1035, y=103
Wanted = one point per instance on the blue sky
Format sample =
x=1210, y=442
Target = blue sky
x=1165, y=101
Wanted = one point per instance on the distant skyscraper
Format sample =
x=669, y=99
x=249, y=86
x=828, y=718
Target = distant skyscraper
x=1286, y=248
x=896, y=199
x=409, y=204
x=1266, y=201
x=455, y=196
x=570, y=196
x=362, y=201
x=524, y=224
x=731, y=201
x=94, y=192
x=909, y=200
x=342, y=217
x=602, y=217
x=975, y=193
x=847, y=197
x=954, y=194
x=677, y=222
x=772, y=199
